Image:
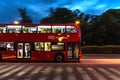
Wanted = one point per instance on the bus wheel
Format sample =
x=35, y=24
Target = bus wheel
x=59, y=57
x=0, y=57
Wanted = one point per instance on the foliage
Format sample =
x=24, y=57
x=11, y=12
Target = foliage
x=106, y=28
x=24, y=16
x=96, y=30
x=59, y=15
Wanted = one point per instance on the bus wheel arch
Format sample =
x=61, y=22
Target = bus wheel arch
x=59, y=57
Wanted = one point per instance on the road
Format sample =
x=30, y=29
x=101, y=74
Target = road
x=88, y=69
x=101, y=59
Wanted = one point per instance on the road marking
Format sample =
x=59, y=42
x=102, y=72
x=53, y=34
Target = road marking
x=114, y=70
x=14, y=72
x=24, y=71
x=3, y=66
x=11, y=72
x=6, y=69
x=95, y=73
x=83, y=74
x=35, y=71
x=70, y=76
x=47, y=70
x=58, y=72
x=45, y=73
x=109, y=74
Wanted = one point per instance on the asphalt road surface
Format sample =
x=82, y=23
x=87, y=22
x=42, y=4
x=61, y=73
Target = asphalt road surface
x=89, y=69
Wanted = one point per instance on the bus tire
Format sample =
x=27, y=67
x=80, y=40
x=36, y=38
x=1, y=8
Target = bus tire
x=0, y=57
x=59, y=57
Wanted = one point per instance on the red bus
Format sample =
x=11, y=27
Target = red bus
x=43, y=42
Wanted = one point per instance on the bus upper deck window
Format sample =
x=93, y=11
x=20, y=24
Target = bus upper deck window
x=2, y=29
x=44, y=29
x=14, y=29
x=71, y=29
x=58, y=29
x=29, y=29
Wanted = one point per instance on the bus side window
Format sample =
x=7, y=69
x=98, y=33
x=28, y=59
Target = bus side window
x=58, y=29
x=2, y=45
x=39, y=46
x=29, y=29
x=10, y=46
x=71, y=29
x=2, y=29
x=14, y=29
x=47, y=46
x=44, y=29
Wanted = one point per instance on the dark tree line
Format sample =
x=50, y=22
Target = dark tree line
x=59, y=15
x=105, y=29
x=24, y=16
x=96, y=30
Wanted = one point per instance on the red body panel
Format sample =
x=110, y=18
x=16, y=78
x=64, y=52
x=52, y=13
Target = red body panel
x=38, y=37
x=8, y=55
x=45, y=56
x=33, y=37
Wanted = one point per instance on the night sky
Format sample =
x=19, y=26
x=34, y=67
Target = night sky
x=38, y=9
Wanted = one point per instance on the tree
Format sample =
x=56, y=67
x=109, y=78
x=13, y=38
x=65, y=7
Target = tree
x=24, y=16
x=106, y=27
x=76, y=13
x=96, y=30
x=59, y=15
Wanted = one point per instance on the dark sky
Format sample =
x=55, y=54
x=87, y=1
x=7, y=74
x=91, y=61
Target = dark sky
x=38, y=9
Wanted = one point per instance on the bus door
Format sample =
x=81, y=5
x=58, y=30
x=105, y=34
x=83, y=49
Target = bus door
x=72, y=51
x=23, y=50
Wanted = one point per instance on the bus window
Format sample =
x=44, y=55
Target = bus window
x=29, y=29
x=44, y=29
x=2, y=45
x=73, y=50
x=76, y=50
x=14, y=29
x=71, y=29
x=10, y=46
x=57, y=46
x=47, y=46
x=27, y=50
x=39, y=46
x=2, y=29
x=58, y=29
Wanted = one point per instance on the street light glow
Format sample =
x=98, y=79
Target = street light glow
x=77, y=22
x=16, y=22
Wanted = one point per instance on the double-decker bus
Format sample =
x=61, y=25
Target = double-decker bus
x=43, y=42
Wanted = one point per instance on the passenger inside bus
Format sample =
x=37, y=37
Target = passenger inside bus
x=27, y=51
